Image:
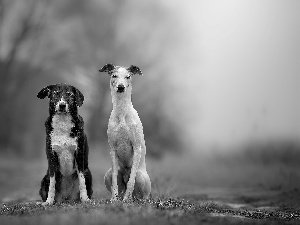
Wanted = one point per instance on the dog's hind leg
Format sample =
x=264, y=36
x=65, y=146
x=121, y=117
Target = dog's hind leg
x=142, y=187
x=45, y=187
x=120, y=181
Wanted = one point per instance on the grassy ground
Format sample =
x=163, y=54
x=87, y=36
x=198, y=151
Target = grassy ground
x=184, y=190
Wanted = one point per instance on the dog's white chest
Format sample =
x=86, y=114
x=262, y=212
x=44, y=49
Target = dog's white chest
x=62, y=143
x=60, y=135
x=121, y=137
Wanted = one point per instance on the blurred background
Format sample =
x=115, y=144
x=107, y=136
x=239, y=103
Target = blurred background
x=219, y=99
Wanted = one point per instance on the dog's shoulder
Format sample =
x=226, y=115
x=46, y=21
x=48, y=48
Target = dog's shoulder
x=79, y=123
x=134, y=119
x=78, y=129
x=48, y=124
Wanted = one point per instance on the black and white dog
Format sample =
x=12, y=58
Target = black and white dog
x=68, y=176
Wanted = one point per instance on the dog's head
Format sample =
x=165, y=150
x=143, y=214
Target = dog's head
x=120, y=77
x=63, y=98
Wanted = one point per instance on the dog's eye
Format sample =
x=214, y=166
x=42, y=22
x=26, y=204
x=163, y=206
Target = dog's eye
x=127, y=77
x=114, y=76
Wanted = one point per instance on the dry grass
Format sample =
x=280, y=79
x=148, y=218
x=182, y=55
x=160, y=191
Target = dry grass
x=181, y=193
x=153, y=211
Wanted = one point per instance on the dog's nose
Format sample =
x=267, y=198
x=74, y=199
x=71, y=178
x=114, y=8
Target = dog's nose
x=121, y=87
x=62, y=107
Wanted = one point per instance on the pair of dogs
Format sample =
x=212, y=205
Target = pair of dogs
x=68, y=177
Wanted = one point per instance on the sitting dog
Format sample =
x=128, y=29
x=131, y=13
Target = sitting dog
x=68, y=177
x=128, y=175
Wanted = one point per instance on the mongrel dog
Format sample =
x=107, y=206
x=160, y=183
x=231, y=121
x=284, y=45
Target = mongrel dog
x=68, y=177
x=128, y=175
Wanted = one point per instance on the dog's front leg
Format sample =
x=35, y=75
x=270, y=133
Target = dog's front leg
x=115, y=167
x=82, y=164
x=51, y=192
x=82, y=188
x=134, y=168
x=53, y=166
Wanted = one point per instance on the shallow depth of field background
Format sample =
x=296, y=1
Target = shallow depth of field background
x=219, y=99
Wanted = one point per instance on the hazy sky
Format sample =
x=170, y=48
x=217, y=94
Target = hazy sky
x=233, y=65
x=246, y=70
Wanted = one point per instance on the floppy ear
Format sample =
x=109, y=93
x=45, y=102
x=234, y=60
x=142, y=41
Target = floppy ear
x=45, y=92
x=79, y=97
x=135, y=70
x=107, y=68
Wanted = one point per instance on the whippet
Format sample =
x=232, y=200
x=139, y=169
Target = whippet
x=128, y=175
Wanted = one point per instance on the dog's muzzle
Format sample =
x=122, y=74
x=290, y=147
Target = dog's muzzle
x=120, y=88
x=62, y=107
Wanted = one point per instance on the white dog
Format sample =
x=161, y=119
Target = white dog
x=128, y=175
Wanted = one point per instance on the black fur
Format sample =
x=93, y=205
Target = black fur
x=109, y=68
x=134, y=70
x=74, y=98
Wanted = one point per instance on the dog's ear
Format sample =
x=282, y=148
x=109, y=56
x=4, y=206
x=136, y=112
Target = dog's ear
x=135, y=70
x=79, y=97
x=107, y=68
x=45, y=92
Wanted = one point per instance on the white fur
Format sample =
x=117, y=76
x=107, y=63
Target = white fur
x=62, y=143
x=82, y=188
x=126, y=139
x=60, y=136
x=51, y=192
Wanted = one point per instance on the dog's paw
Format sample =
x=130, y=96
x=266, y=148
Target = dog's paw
x=84, y=197
x=127, y=199
x=45, y=204
x=114, y=199
x=39, y=203
x=86, y=200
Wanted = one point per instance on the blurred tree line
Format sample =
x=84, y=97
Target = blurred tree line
x=50, y=41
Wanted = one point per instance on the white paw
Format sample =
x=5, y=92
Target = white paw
x=47, y=203
x=87, y=200
x=114, y=199
x=127, y=198
x=84, y=197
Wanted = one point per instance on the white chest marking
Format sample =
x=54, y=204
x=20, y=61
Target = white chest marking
x=60, y=135
x=62, y=143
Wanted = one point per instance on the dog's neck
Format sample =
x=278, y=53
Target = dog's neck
x=121, y=103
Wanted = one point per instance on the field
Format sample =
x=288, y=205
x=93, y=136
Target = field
x=185, y=189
